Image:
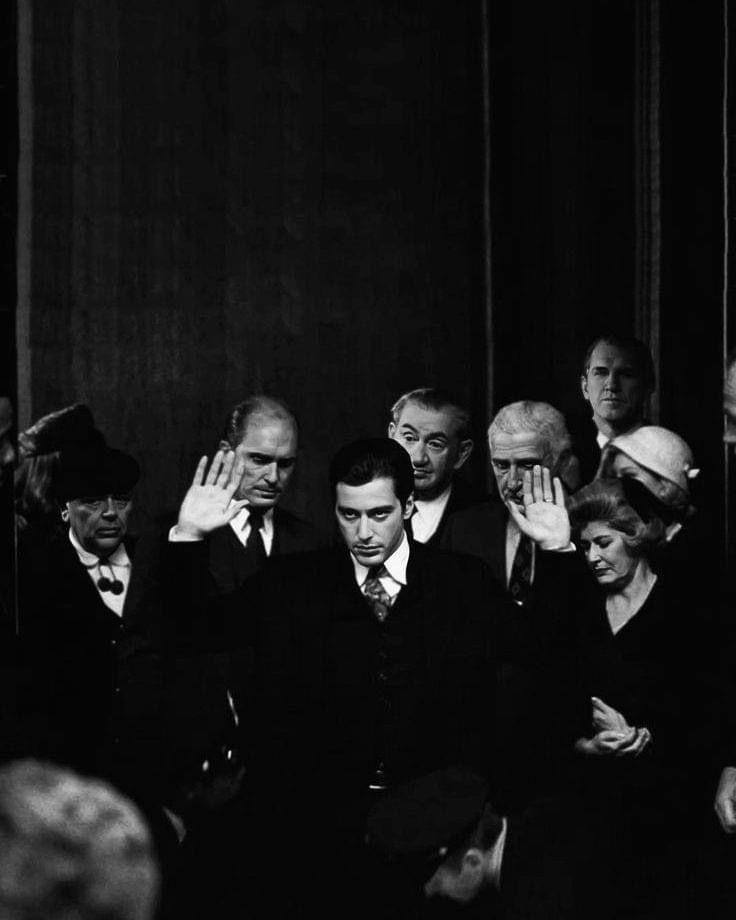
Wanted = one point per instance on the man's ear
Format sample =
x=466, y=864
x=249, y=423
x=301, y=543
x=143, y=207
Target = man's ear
x=225, y=445
x=391, y=429
x=464, y=450
x=584, y=385
x=408, y=508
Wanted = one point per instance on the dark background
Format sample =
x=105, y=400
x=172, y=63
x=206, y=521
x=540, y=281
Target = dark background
x=336, y=202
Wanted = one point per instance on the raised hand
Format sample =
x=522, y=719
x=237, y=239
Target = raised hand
x=544, y=518
x=207, y=504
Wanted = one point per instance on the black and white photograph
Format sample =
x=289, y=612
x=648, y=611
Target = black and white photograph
x=367, y=460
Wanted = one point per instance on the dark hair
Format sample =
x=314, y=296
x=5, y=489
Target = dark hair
x=363, y=461
x=605, y=500
x=240, y=415
x=638, y=350
x=435, y=399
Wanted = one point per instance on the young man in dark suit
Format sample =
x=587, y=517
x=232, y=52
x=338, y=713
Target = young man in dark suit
x=376, y=661
x=434, y=429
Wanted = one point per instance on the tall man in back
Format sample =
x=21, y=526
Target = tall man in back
x=617, y=380
x=434, y=429
x=262, y=431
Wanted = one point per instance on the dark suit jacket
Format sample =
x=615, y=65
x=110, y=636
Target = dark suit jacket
x=462, y=496
x=541, y=646
x=98, y=693
x=317, y=705
x=231, y=564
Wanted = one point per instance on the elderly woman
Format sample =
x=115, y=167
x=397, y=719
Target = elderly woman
x=641, y=742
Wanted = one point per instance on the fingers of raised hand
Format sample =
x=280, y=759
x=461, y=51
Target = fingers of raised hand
x=546, y=485
x=223, y=477
x=199, y=472
x=214, y=469
x=559, y=492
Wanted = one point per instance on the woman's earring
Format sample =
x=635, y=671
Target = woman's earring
x=65, y=515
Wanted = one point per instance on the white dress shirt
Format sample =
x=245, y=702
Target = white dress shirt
x=241, y=527
x=428, y=515
x=395, y=566
x=118, y=564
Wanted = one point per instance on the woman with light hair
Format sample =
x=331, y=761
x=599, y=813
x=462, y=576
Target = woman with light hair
x=641, y=743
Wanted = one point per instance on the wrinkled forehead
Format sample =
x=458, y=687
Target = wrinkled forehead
x=426, y=421
x=520, y=446
x=264, y=430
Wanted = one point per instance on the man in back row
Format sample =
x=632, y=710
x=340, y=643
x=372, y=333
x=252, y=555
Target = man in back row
x=434, y=429
x=617, y=380
x=264, y=433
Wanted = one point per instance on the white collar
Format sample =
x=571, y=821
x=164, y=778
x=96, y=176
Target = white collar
x=119, y=557
x=395, y=565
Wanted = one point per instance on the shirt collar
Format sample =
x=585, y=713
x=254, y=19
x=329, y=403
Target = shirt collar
x=119, y=557
x=243, y=515
x=395, y=564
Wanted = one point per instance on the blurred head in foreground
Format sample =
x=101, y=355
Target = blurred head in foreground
x=71, y=848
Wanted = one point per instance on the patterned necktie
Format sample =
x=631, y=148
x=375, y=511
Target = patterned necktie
x=520, y=582
x=376, y=595
x=254, y=543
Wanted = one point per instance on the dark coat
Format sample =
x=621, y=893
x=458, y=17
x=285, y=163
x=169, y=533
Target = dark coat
x=541, y=664
x=231, y=564
x=462, y=496
x=337, y=692
x=99, y=694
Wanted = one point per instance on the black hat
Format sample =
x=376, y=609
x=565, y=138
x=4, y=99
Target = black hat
x=96, y=471
x=431, y=814
x=72, y=427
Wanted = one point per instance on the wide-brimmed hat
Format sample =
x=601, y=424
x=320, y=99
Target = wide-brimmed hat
x=96, y=472
x=660, y=451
